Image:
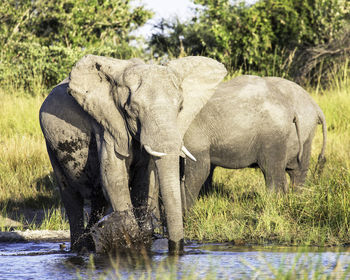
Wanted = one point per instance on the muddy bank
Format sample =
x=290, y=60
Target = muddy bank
x=35, y=235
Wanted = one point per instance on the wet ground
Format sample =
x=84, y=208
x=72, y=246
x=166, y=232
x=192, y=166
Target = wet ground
x=49, y=261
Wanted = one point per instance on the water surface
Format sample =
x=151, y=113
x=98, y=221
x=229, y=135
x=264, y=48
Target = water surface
x=47, y=261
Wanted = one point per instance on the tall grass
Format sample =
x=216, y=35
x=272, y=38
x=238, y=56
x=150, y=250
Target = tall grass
x=26, y=178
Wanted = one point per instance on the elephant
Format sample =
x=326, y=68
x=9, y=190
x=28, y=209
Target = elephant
x=74, y=143
x=116, y=111
x=251, y=121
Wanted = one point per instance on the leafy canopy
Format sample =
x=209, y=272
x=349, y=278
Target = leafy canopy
x=42, y=39
x=70, y=23
x=255, y=38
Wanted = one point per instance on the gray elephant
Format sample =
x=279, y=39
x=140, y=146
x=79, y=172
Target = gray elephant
x=253, y=122
x=124, y=101
x=74, y=144
x=72, y=147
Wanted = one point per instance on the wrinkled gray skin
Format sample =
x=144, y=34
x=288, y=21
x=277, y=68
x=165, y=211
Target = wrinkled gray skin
x=74, y=144
x=252, y=122
x=127, y=101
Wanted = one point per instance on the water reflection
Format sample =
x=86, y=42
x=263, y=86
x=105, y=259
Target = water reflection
x=225, y=261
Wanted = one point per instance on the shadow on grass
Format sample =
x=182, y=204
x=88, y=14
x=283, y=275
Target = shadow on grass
x=221, y=190
x=30, y=209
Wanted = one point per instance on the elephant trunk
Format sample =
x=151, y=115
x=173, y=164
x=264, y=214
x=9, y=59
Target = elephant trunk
x=168, y=170
x=161, y=138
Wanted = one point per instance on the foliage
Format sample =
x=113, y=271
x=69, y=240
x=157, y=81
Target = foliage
x=41, y=40
x=259, y=38
x=36, y=68
x=70, y=23
x=323, y=64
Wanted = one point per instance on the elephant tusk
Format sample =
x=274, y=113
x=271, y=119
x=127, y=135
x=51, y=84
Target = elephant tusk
x=187, y=153
x=103, y=219
x=153, y=153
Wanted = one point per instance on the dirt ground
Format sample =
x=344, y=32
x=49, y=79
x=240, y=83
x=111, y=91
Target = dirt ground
x=16, y=225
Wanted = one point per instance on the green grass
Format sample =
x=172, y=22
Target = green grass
x=26, y=178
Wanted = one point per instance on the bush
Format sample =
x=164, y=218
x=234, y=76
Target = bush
x=258, y=39
x=34, y=68
x=41, y=40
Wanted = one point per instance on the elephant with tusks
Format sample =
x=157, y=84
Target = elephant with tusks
x=114, y=123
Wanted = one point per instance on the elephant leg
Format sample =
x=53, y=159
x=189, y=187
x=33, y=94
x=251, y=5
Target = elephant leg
x=298, y=171
x=207, y=187
x=99, y=206
x=196, y=174
x=275, y=178
x=73, y=203
x=143, y=191
x=273, y=165
x=115, y=182
x=153, y=203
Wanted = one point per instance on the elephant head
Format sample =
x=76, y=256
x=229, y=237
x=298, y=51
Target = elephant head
x=155, y=105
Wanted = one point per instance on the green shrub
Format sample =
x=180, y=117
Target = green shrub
x=41, y=40
x=35, y=68
x=259, y=39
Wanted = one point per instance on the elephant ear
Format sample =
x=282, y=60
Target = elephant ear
x=92, y=86
x=200, y=77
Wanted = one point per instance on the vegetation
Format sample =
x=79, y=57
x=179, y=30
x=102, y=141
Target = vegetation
x=69, y=23
x=266, y=38
x=304, y=40
x=41, y=40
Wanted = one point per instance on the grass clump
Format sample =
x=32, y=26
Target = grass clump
x=54, y=219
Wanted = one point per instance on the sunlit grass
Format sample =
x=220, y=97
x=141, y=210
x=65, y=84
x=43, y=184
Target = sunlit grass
x=54, y=219
x=26, y=178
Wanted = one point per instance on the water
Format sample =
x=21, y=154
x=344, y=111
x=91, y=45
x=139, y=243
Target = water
x=47, y=261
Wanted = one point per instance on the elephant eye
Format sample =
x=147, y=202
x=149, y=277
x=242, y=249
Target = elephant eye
x=181, y=106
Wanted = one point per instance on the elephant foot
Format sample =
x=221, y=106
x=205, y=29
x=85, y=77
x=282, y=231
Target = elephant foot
x=176, y=248
x=118, y=233
x=84, y=245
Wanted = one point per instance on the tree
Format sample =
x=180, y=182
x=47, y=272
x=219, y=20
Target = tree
x=256, y=38
x=70, y=23
x=42, y=39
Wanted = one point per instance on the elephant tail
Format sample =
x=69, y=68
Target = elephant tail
x=321, y=157
x=301, y=148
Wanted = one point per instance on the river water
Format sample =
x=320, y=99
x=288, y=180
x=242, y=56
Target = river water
x=223, y=261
